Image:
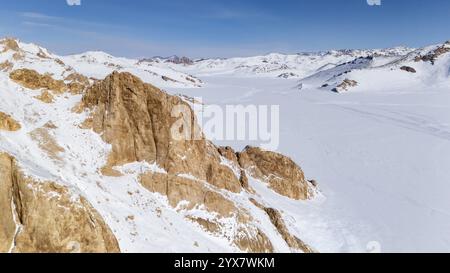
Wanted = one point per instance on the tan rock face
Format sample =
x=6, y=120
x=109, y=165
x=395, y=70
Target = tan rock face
x=137, y=120
x=280, y=172
x=248, y=238
x=6, y=66
x=345, y=85
x=77, y=83
x=33, y=80
x=278, y=222
x=179, y=189
x=258, y=242
x=45, y=97
x=9, y=44
x=7, y=123
x=43, y=217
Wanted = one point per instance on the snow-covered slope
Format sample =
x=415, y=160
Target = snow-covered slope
x=287, y=66
x=421, y=69
x=95, y=65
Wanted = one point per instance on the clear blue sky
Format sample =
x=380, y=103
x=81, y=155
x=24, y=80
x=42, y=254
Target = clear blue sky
x=223, y=28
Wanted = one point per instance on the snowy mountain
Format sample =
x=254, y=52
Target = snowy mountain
x=86, y=142
x=421, y=68
x=289, y=66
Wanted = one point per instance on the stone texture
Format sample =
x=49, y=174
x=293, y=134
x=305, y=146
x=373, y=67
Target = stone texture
x=137, y=120
x=10, y=44
x=7, y=123
x=435, y=54
x=45, y=97
x=277, y=220
x=345, y=85
x=33, y=80
x=6, y=66
x=254, y=242
x=280, y=172
x=44, y=217
x=408, y=69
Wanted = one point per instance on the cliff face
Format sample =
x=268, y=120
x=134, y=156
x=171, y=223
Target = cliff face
x=137, y=119
x=44, y=217
x=280, y=172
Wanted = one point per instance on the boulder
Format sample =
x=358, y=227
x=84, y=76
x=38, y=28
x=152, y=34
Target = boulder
x=408, y=69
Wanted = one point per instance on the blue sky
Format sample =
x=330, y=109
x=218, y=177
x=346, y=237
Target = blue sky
x=223, y=28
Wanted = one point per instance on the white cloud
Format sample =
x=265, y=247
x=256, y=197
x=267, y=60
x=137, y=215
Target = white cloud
x=74, y=2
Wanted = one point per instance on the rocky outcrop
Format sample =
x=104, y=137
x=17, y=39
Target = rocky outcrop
x=7, y=123
x=6, y=66
x=33, y=80
x=277, y=220
x=288, y=75
x=137, y=119
x=45, y=97
x=345, y=85
x=9, y=44
x=434, y=55
x=46, y=217
x=408, y=69
x=74, y=83
x=195, y=192
x=143, y=123
x=77, y=83
x=278, y=171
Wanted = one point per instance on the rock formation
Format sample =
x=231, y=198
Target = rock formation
x=345, y=85
x=408, y=69
x=434, y=55
x=9, y=44
x=278, y=171
x=7, y=123
x=278, y=222
x=31, y=79
x=138, y=120
x=45, y=217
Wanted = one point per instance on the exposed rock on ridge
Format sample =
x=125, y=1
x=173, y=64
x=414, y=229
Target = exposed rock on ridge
x=137, y=119
x=44, y=217
x=7, y=123
x=280, y=172
x=33, y=80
